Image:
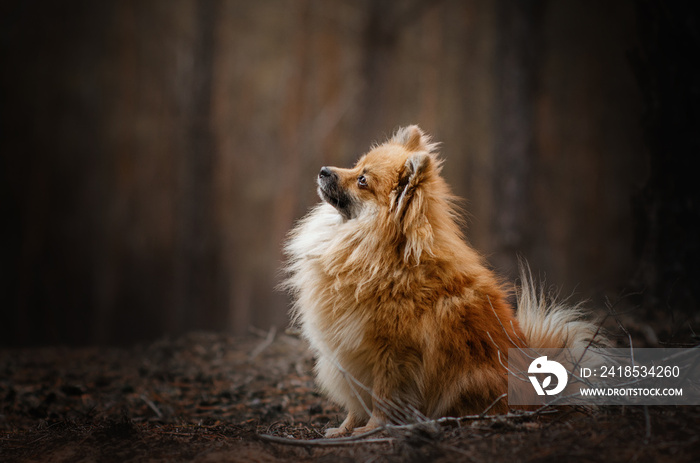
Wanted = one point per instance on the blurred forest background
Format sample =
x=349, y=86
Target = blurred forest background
x=155, y=153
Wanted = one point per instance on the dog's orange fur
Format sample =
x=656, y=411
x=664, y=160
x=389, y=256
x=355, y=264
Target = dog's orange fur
x=390, y=296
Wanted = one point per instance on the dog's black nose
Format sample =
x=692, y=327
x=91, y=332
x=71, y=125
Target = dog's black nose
x=325, y=172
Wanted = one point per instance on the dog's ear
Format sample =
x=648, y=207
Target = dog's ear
x=413, y=139
x=409, y=205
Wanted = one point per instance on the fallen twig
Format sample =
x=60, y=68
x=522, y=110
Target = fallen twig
x=351, y=440
x=152, y=406
x=493, y=404
x=265, y=344
x=390, y=427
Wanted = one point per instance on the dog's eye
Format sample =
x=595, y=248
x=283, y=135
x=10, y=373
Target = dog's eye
x=362, y=181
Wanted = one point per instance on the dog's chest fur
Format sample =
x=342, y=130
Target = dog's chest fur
x=344, y=303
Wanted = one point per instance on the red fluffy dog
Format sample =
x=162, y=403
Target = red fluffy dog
x=400, y=312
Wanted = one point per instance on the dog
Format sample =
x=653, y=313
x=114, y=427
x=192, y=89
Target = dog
x=403, y=316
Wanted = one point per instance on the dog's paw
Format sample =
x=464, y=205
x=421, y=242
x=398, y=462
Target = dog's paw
x=336, y=432
x=363, y=429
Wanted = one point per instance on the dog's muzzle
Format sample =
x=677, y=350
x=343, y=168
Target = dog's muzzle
x=330, y=191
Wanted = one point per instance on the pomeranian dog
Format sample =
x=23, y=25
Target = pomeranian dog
x=404, y=318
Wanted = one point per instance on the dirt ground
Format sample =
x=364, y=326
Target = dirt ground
x=211, y=398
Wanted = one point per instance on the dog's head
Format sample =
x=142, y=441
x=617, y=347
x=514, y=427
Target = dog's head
x=392, y=183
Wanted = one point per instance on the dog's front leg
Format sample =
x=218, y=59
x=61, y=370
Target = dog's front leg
x=377, y=419
x=389, y=385
x=348, y=425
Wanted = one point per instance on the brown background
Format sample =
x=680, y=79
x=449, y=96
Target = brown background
x=155, y=153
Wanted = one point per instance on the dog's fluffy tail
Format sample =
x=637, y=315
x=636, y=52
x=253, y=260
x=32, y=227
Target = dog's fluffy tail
x=548, y=323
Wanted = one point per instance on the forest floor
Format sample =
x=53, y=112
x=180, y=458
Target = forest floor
x=212, y=398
